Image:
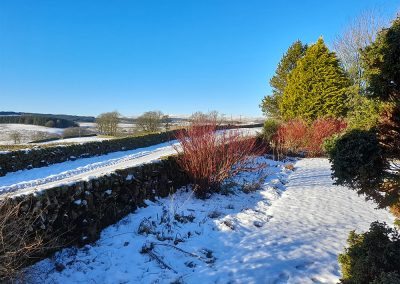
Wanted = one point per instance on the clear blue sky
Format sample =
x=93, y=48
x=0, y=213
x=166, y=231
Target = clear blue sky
x=87, y=57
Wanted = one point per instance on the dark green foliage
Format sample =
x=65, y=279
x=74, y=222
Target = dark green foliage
x=270, y=128
x=372, y=257
x=358, y=162
x=270, y=104
x=381, y=61
x=38, y=120
x=316, y=87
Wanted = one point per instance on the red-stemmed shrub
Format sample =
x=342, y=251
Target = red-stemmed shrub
x=318, y=131
x=290, y=137
x=210, y=156
x=297, y=137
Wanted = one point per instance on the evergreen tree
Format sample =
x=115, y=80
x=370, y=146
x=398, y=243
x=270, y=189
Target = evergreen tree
x=382, y=64
x=316, y=87
x=270, y=104
x=382, y=71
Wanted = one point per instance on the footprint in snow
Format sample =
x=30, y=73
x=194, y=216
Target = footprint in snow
x=283, y=278
x=303, y=266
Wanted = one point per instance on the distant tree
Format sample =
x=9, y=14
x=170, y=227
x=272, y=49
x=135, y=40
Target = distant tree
x=107, y=123
x=16, y=136
x=270, y=104
x=75, y=132
x=316, y=87
x=50, y=124
x=210, y=117
x=150, y=121
x=167, y=122
x=198, y=116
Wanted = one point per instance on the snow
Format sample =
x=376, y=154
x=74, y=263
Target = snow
x=289, y=231
x=76, y=140
x=27, y=132
x=37, y=179
x=27, y=181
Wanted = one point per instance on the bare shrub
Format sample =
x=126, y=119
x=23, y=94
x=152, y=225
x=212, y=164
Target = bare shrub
x=75, y=132
x=40, y=135
x=209, y=157
x=19, y=242
x=16, y=137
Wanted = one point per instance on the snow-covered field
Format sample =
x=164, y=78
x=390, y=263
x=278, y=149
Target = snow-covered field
x=27, y=181
x=289, y=231
x=27, y=132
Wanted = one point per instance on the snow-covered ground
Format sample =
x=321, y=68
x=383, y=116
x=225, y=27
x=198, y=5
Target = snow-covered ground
x=36, y=179
x=26, y=131
x=289, y=231
x=76, y=140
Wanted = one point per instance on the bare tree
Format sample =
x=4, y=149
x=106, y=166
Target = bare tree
x=360, y=33
x=212, y=116
x=16, y=136
x=150, y=121
x=167, y=122
x=107, y=123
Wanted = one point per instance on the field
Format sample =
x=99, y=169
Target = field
x=27, y=132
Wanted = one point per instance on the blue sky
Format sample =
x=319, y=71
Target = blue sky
x=88, y=57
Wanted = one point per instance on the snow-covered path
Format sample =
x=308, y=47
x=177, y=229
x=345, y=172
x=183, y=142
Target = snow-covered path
x=310, y=226
x=289, y=231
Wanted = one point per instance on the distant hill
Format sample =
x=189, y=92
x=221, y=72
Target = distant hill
x=74, y=118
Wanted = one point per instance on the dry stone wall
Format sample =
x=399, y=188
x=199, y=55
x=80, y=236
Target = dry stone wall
x=41, y=157
x=75, y=214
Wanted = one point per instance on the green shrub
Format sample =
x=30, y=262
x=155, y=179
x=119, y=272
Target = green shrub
x=329, y=143
x=372, y=257
x=357, y=162
x=270, y=128
x=365, y=113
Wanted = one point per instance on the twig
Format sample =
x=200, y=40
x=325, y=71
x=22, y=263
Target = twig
x=181, y=250
x=160, y=262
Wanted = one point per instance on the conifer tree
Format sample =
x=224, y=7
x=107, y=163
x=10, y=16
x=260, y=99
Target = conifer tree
x=269, y=104
x=316, y=87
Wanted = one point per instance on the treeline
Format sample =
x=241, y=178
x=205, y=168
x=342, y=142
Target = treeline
x=53, y=116
x=38, y=120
